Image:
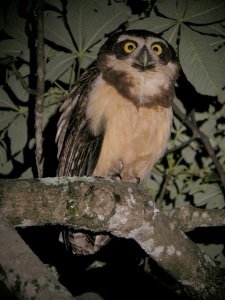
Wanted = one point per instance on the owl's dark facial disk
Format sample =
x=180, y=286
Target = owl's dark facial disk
x=142, y=54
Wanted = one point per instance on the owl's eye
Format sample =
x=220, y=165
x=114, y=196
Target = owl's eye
x=129, y=47
x=157, y=49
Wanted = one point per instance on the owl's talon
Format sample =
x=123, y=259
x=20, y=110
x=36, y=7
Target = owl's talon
x=116, y=177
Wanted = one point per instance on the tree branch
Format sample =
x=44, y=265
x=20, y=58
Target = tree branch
x=205, y=140
x=189, y=217
x=29, y=278
x=40, y=87
x=21, y=79
x=123, y=209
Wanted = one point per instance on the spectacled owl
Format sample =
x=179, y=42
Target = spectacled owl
x=116, y=119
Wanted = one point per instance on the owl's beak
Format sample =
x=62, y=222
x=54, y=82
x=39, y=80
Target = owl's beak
x=143, y=60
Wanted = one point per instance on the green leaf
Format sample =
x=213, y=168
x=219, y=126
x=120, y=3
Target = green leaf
x=6, y=102
x=90, y=20
x=17, y=133
x=211, y=177
x=15, y=25
x=58, y=64
x=11, y=48
x=56, y=31
x=55, y=3
x=19, y=157
x=154, y=23
x=3, y=154
x=209, y=126
x=170, y=9
x=215, y=251
x=27, y=174
x=198, y=12
x=200, y=63
x=188, y=154
x=211, y=196
x=18, y=89
x=6, y=118
x=6, y=167
x=204, y=11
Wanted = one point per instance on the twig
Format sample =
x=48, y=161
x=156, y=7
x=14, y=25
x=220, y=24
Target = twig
x=161, y=197
x=205, y=140
x=182, y=145
x=40, y=87
x=22, y=81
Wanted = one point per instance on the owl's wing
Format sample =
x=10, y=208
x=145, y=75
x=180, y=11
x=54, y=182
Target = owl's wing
x=78, y=147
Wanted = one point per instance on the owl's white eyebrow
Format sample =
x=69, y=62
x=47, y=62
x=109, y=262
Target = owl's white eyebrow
x=128, y=37
x=139, y=39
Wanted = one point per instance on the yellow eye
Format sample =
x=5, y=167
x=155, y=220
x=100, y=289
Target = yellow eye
x=157, y=49
x=129, y=47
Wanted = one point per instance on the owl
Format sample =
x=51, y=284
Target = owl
x=117, y=118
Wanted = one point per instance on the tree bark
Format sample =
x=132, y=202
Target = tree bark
x=125, y=210
x=22, y=271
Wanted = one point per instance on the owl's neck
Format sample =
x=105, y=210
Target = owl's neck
x=149, y=88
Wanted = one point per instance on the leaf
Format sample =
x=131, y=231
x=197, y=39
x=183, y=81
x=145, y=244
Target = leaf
x=211, y=196
x=15, y=25
x=204, y=11
x=3, y=154
x=154, y=23
x=209, y=126
x=27, y=174
x=201, y=116
x=2, y=21
x=169, y=8
x=188, y=154
x=58, y=65
x=19, y=157
x=7, y=117
x=56, y=31
x=18, y=89
x=211, y=177
x=197, y=12
x=17, y=133
x=213, y=250
x=54, y=3
x=6, y=167
x=200, y=64
x=180, y=200
x=10, y=47
x=90, y=20
x=6, y=102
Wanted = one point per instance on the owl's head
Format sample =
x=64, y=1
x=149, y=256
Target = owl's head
x=140, y=64
x=142, y=48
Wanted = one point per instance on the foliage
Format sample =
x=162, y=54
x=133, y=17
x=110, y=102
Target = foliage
x=73, y=35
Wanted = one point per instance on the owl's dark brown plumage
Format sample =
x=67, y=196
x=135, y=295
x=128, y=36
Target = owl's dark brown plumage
x=117, y=117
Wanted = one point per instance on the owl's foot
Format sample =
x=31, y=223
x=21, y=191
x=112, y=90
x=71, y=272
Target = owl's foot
x=136, y=180
x=115, y=174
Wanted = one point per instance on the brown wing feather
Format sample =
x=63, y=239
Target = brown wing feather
x=78, y=147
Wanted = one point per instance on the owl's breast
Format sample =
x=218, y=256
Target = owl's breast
x=135, y=138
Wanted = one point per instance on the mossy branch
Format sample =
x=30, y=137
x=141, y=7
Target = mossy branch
x=123, y=209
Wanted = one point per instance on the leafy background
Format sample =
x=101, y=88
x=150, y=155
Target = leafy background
x=74, y=31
